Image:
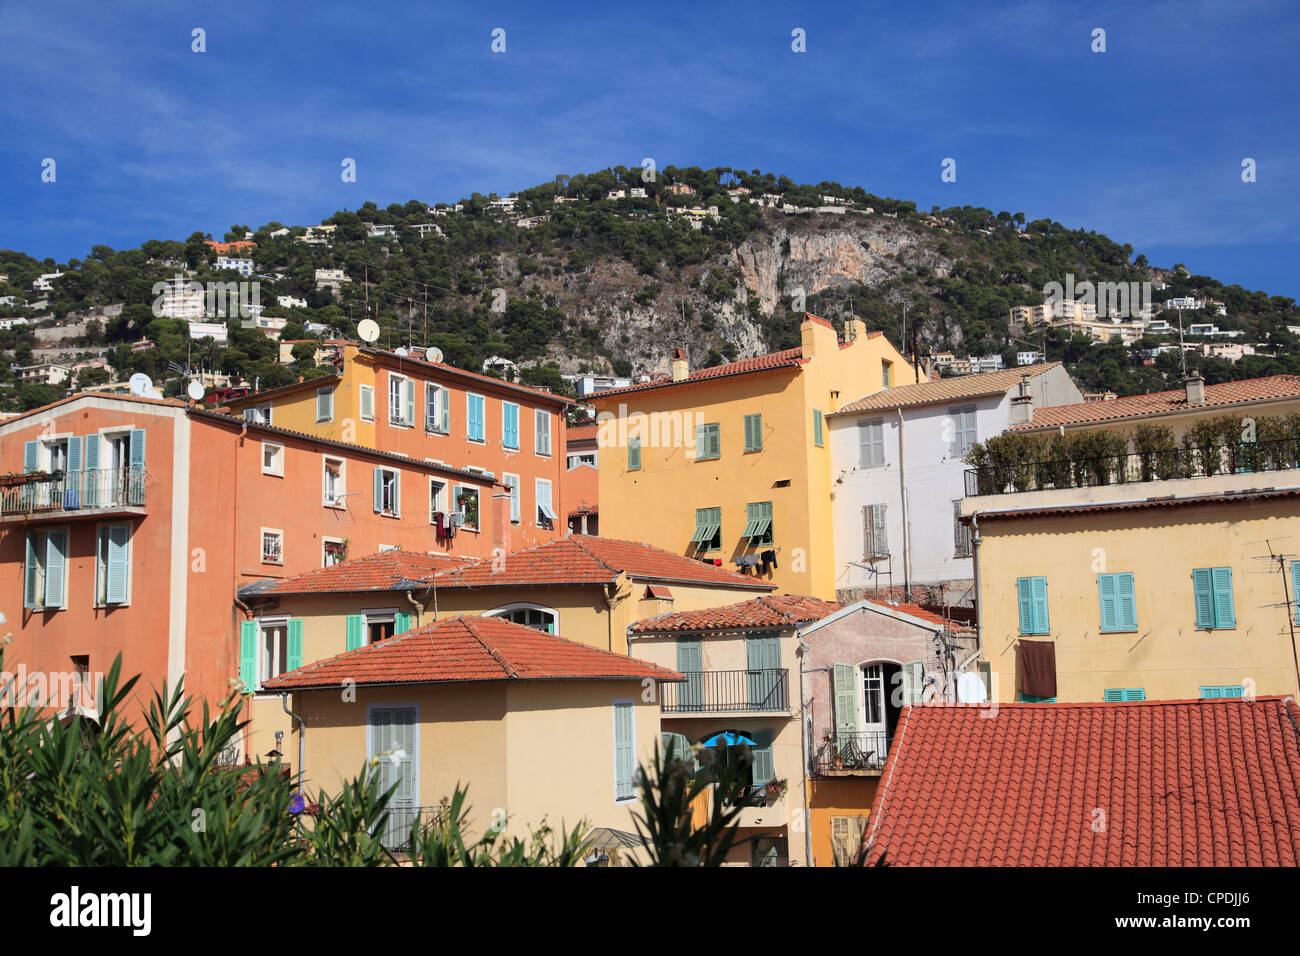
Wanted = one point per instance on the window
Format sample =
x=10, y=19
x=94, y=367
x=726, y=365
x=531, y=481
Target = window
x=545, y=513
x=634, y=454
x=401, y=400
x=871, y=443
x=333, y=551
x=475, y=428
x=542, y=432
x=437, y=498
x=510, y=425
x=272, y=546
x=388, y=492
x=272, y=459
x=753, y=432
x=512, y=482
x=366, y=399
x=690, y=664
x=1212, y=588
x=847, y=834
x=1119, y=694
x=624, y=756
x=589, y=458
x=708, y=442
x=819, y=428
x=332, y=488
x=758, y=522
x=268, y=648
x=57, y=454
x=961, y=537
x=324, y=405
x=886, y=373
x=1031, y=595
x=875, y=532
x=45, y=573
x=260, y=414
x=437, y=409
x=1226, y=690
x=113, y=564
x=961, y=430
x=81, y=692
x=1032, y=699
x=1118, y=604
x=708, y=529
x=380, y=626
x=467, y=506
x=538, y=618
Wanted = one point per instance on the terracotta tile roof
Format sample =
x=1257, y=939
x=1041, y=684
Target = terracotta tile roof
x=658, y=592
x=466, y=648
x=397, y=361
x=1225, y=395
x=945, y=390
x=1181, y=783
x=789, y=358
x=913, y=610
x=589, y=559
x=772, y=610
x=577, y=433
x=1234, y=497
x=391, y=570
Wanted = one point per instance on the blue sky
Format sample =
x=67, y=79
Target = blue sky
x=1143, y=142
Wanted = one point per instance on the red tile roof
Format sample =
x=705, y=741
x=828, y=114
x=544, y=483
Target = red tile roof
x=589, y=559
x=789, y=358
x=465, y=648
x=658, y=592
x=772, y=610
x=1157, y=783
x=945, y=390
x=1225, y=395
x=391, y=570
x=913, y=610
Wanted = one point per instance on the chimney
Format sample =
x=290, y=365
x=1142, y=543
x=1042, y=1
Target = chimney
x=1195, y=389
x=1022, y=404
x=681, y=367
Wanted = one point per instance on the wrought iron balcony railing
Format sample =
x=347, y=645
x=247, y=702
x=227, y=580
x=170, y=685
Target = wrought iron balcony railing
x=706, y=692
x=862, y=750
x=73, y=491
x=397, y=830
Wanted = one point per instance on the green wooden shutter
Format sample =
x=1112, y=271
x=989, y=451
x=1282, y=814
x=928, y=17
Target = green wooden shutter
x=397, y=492
x=30, y=597
x=763, y=657
x=117, y=572
x=367, y=403
x=634, y=454
x=754, y=432
x=73, y=482
x=55, y=549
x=401, y=623
x=90, y=493
x=764, y=769
x=293, y=651
x=1295, y=590
x=690, y=663
x=355, y=628
x=701, y=441
x=1119, y=694
x=1039, y=587
x=1109, y=601
x=1127, y=601
x=1204, y=598
x=444, y=406
x=248, y=655
x=1025, y=599
x=818, y=436
x=1223, y=609
x=844, y=680
x=913, y=681
x=379, y=490
x=624, y=759
x=715, y=440
x=135, y=480
x=408, y=393
x=31, y=456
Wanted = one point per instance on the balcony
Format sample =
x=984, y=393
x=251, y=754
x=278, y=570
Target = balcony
x=396, y=833
x=97, y=492
x=859, y=754
x=728, y=692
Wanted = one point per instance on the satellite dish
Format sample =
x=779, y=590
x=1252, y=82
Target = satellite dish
x=970, y=689
x=140, y=384
x=368, y=329
x=432, y=354
x=399, y=351
x=195, y=391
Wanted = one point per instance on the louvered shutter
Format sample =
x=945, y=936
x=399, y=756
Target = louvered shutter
x=293, y=646
x=1109, y=600
x=690, y=664
x=818, y=428
x=913, y=681
x=135, y=485
x=764, y=769
x=379, y=489
x=542, y=421
x=444, y=408
x=1025, y=601
x=1204, y=598
x=844, y=680
x=754, y=432
x=763, y=656
x=32, y=571
x=401, y=623
x=408, y=396
x=91, y=490
x=248, y=655
x=117, y=572
x=1041, y=624
x=1223, y=609
x=367, y=404
x=634, y=454
x=323, y=412
x=430, y=407
x=701, y=441
x=1126, y=601
x=881, y=528
x=355, y=628
x=715, y=440
x=31, y=456
x=1295, y=591
x=624, y=762
x=72, y=484
x=55, y=550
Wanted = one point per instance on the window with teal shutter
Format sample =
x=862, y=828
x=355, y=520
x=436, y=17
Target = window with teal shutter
x=356, y=625
x=444, y=408
x=72, y=492
x=708, y=529
x=248, y=655
x=708, y=442
x=1031, y=699
x=1212, y=593
x=690, y=664
x=474, y=418
x=117, y=570
x=1120, y=694
x=510, y=425
x=758, y=523
x=819, y=437
x=31, y=456
x=844, y=678
x=1031, y=598
x=1223, y=691
x=1118, y=603
x=293, y=650
x=634, y=454
x=754, y=432
x=32, y=569
x=764, y=767
x=401, y=623
x=90, y=487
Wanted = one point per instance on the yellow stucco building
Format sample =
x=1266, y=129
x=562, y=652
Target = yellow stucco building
x=732, y=463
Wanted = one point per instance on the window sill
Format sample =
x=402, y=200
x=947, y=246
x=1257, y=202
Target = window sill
x=273, y=474
x=278, y=564
x=1119, y=630
x=336, y=505
x=106, y=606
x=387, y=514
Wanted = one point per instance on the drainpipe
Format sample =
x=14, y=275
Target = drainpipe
x=803, y=753
x=302, y=732
x=609, y=616
x=979, y=601
x=902, y=497
x=419, y=609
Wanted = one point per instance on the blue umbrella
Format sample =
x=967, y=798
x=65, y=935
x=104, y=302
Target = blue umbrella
x=728, y=738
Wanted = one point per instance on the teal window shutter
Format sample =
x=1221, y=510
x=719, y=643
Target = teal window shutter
x=1223, y=609
x=31, y=456
x=444, y=403
x=1217, y=693
x=1118, y=602
x=715, y=440
x=690, y=664
x=1295, y=591
x=1127, y=598
x=1039, y=589
x=293, y=650
x=1204, y=598
x=844, y=678
x=475, y=418
x=397, y=492
x=408, y=389
x=90, y=493
x=401, y=623
x=116, y=584
x=1106, y=595
x=818, y=436
x=510, y=425
x=634, y=454
x=1025, y=599
x=764, y=769
x=30, y=597
x=379, y=489
x=135, y=481
x=1031, y=699
x=137, y=448
x=754, y=432
x=356, y=627
x=248, y=655
x=73, y=483
x=55, y=549
x=1119, y=694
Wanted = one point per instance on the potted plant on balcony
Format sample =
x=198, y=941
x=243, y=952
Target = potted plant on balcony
x=774, y=789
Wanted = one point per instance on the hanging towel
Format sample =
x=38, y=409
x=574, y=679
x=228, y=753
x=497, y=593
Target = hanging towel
x=1036, y=668
x=748, y=560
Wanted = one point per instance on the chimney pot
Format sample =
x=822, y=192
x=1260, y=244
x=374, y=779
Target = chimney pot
x=1195, y=389
x=681, y=367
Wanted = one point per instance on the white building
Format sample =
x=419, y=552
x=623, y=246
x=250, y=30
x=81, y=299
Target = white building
x=424, y=228
x=209, y=330
x=243, y=266
x=331, y=278
x=986, y=363
x=377, y=231
x=8, y=324
x=45, y=374
x=289, y=302
x=506, y=203
x=45, y=283
x=501, y=364
x=283, y=231
x=895, y=515
x=1029, y=358
x=586, y=385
